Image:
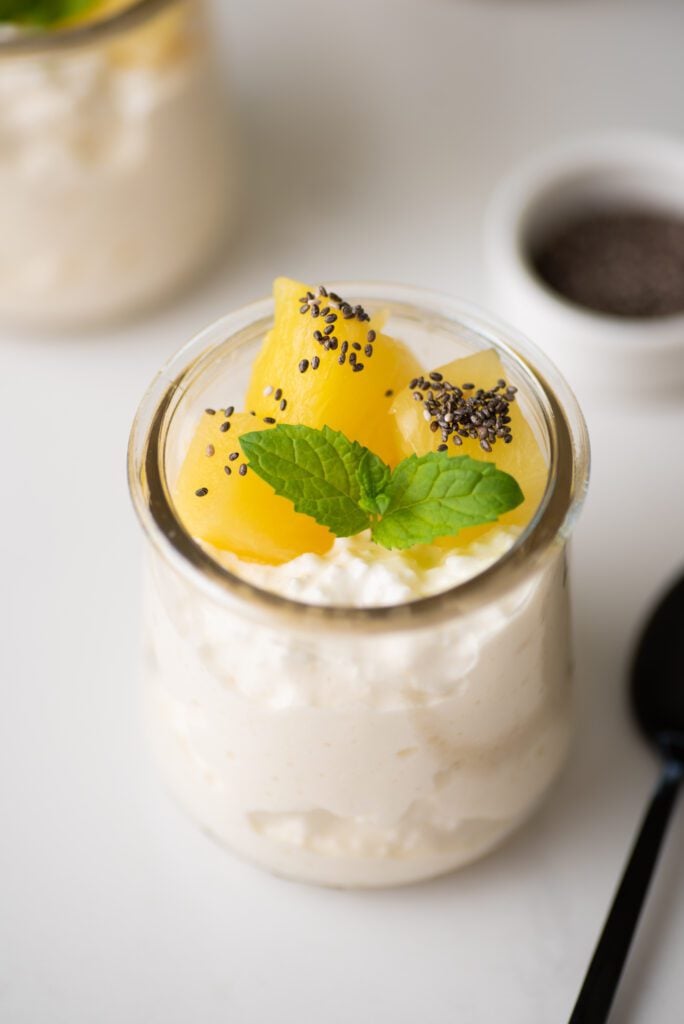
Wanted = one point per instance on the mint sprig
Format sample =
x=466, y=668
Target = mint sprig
x=348, y=488
x=41, y=12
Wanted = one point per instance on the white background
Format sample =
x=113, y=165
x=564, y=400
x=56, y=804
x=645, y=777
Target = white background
x=373, y=134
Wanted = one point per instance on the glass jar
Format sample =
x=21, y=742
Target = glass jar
x=355, y=746
x=115, y=163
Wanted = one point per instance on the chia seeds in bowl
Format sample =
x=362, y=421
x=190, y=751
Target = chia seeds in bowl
x=624, y=262
x=584, y=247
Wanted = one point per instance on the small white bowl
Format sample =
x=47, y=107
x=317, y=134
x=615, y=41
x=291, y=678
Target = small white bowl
x=595, y=350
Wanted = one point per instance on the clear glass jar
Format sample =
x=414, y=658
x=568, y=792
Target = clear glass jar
x=348, y=746
x=116, y=163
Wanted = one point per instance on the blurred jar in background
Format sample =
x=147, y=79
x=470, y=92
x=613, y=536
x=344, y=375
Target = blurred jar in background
x=116, y=163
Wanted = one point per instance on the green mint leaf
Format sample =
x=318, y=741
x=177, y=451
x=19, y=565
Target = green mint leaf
x=42, y=12
x=348, y=488
x=374, y=477
x=436, y=495
x=317, y=470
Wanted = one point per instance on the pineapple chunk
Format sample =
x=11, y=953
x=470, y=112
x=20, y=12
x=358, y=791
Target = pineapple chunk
x=522, y=458
x=239, y=513
x=154, y=43
x=296, y=380
x=333, y=395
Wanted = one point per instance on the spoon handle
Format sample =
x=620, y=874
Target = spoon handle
x=601, y=981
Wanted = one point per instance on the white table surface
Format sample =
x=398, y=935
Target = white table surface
x=374, y=133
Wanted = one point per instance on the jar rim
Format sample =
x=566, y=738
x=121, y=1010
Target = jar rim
x=43, y=41
x=554, y=518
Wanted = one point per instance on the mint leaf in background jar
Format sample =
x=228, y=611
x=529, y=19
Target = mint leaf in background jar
x=43, y=12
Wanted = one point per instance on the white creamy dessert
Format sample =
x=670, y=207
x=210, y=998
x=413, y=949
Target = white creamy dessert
x=342, y=685
x=114, y=172
x=359, y=759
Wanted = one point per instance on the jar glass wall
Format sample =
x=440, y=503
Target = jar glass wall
x=357, y=746
x=116, y=163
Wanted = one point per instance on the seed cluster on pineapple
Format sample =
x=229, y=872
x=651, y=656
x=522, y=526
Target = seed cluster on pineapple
x=482, y=416
x=333, y=311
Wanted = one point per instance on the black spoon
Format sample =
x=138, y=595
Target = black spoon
x=657, y=689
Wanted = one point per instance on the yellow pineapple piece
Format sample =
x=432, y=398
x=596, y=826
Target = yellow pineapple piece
x=522, y=458
x=327, y=393
x=105, y=8
x=165, y=37
x=239, y=513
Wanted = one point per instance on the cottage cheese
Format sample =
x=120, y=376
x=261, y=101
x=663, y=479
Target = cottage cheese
x=356, y=572
x=113, y=180
x=358, y=757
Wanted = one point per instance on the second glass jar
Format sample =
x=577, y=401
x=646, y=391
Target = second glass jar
x=117, y=163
